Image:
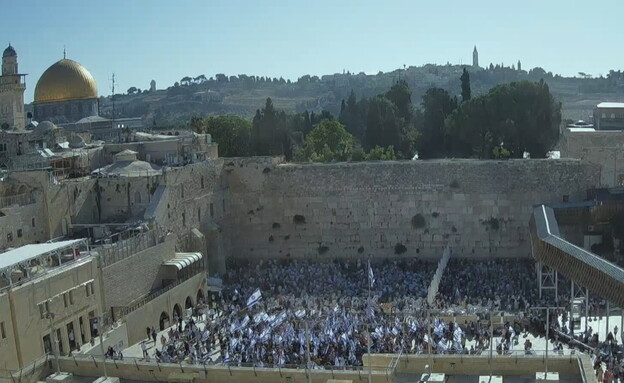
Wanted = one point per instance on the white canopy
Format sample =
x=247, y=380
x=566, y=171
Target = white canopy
x=182, y=260
x=29, y=252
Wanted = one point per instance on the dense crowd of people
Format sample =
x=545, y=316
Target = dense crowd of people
x=332, y=313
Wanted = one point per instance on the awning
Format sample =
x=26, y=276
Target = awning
x=182, y=260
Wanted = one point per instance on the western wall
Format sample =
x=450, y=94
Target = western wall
x=394, y=209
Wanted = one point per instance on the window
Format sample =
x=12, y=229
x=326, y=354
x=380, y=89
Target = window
x=65, y=300
x=2, y=330
x=202, y=182
x=71, y=297
x=183, y=219
x=19, y=233
x=566, y=198
x=44, y=309
x=89, y=288
x=10, y=237
x=32, y=222
x=198, y=214
x=211, y=210
x=3, y=147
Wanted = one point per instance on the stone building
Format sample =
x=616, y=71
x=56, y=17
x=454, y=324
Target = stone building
x=601, y=144
x=12, y=87
x=475, y=58
x=46, y=289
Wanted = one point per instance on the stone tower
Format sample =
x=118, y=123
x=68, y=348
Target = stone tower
x=153, y=86
x=475, y=57
x=12, y=87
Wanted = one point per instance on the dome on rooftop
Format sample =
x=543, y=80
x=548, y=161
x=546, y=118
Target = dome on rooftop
x=45, y=126
x=9, y=52
x=65, y=80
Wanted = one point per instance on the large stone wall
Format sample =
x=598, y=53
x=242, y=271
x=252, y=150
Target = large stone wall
x=137, y=275
x=384, y=209
x=195, y=196
x=601, y=147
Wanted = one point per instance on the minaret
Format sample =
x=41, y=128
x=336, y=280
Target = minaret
x=12, y=87
x=475, y=57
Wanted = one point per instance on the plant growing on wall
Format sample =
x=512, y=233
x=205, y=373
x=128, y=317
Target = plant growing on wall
x=299, y=219
x=418, y=221
x=492, y=223
x=399, y=248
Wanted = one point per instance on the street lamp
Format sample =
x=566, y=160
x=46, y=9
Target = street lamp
x=547, y=331
x=50, y=317
x=100, y=331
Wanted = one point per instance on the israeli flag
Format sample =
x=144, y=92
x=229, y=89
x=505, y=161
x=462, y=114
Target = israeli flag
x=371, y=276
x=254, y=298
x=300, y=313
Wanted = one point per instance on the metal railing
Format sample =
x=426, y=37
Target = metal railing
x=117, y=251
x=387, y=370
x=384, y=369
x=141, y=302
x=27, y=372
x=18, y=199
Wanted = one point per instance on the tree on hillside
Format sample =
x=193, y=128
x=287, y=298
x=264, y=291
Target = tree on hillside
x=383, y=126
x=401, y=96
x=269, y=133
x=465, y=86
x=328, y=141
x=186, y=80
x=437, y=105
x=232, y=133
x=132, y=90
x=381, y=154
x=200, y=79
x=518, y=117
x=351, y=117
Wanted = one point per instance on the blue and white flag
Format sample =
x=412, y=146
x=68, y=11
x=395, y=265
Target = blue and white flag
x=300, y=313
x=371, y=276
x=254, y=298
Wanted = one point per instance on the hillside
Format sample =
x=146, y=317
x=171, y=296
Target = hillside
x=242, y=95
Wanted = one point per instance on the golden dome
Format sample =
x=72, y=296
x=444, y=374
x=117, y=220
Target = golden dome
x=65, y=80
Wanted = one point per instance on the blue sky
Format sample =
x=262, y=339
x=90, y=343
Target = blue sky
x=140, y=40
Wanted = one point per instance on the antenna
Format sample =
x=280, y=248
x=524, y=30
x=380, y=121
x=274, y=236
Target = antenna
x=64, y=52
x=113, y=95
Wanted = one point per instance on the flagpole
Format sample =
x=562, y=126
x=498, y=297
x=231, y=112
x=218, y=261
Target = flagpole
x=368, y=341
x=309, y=366
x=430, y=343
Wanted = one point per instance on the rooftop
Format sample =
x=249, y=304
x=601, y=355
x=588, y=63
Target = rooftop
x=30, y=252
x=611, y=105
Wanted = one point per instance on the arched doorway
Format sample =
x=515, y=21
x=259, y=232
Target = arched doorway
x=164, y=321
x=200, y=297
x=177, y=312
x=188, y=303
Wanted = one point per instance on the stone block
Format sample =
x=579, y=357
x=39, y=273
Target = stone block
x=543, y=377
x=490, y=379
x=432, y=378
x=110, y=379
x=62, y=377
